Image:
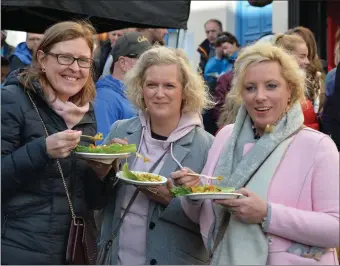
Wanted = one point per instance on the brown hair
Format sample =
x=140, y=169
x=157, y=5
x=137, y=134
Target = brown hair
x=337, y=47
x=315, y=80
x=60, y=32
x=226, y=37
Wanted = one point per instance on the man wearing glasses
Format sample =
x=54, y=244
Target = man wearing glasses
x=111, y=103
x=22, y=56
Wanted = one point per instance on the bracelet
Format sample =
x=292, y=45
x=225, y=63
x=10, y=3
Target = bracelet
x=264, y=220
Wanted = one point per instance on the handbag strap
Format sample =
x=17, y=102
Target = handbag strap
x=132, y=200
x=134, y=196
x=57, y=160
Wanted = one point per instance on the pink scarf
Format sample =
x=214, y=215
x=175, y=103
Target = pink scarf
x=71, y=113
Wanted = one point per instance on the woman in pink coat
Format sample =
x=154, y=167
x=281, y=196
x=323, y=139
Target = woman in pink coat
x=288, y=174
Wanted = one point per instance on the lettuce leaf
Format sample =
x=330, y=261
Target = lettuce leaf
x=227, y=189
x=109, y=149
x=180, y=191
x=127, y=173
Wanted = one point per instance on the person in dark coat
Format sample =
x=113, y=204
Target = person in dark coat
x=4, y=69
x=22, y=56
x=206, y=49
x=35, y=210
x=331, y=111
x=104, y=54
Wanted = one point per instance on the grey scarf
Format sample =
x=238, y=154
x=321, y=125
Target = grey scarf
x=237, y=170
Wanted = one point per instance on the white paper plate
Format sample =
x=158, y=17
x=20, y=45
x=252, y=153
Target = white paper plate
x=213, y=195
x=105, y=158
x=121, y=176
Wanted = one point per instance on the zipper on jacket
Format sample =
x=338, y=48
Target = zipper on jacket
x=4, y=223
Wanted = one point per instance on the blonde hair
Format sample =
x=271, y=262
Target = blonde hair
x=288, y=42
x=196, y=97
x=315, y=73
x=264, y=52
x=229, y=110
x=61, y=32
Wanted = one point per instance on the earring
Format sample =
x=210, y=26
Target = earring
x=268, y=128
x=43, y=69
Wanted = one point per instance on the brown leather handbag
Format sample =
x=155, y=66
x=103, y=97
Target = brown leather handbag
x=81, y=244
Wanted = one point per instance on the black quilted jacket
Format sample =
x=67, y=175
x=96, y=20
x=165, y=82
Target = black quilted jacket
x=35, y=211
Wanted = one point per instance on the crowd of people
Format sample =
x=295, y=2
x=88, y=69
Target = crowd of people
x=265, y=117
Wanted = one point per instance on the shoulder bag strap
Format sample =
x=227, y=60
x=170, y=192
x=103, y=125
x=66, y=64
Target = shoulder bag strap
x=57, y=160
x=134, y=196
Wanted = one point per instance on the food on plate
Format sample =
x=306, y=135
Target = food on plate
x=181, y=191
x=142, y=177
x=107, y=149
x=98, y=136
x=146, y=160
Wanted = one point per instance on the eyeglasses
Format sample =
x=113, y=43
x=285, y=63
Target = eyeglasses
x=68, y=60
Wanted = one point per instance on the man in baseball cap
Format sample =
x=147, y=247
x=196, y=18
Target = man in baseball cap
x=111, y=103
x=131, y=44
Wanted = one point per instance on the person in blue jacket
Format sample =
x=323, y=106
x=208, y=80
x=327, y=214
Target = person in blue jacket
x=111, y=103
x=227, y=49
x=22, y=56
x=216, y=65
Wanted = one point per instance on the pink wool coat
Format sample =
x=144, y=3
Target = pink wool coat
x=304, y=197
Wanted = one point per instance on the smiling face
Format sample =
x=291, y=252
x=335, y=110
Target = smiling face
x=265, y=93
x=163, y=91
x=65, y=80
x=301, y=54
x=229, y=49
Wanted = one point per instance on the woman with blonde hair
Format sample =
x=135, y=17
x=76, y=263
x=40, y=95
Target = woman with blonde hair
x=147, y=225
x=315, y=73
x=289, y=212
x=295, y=45
x=45, y=109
